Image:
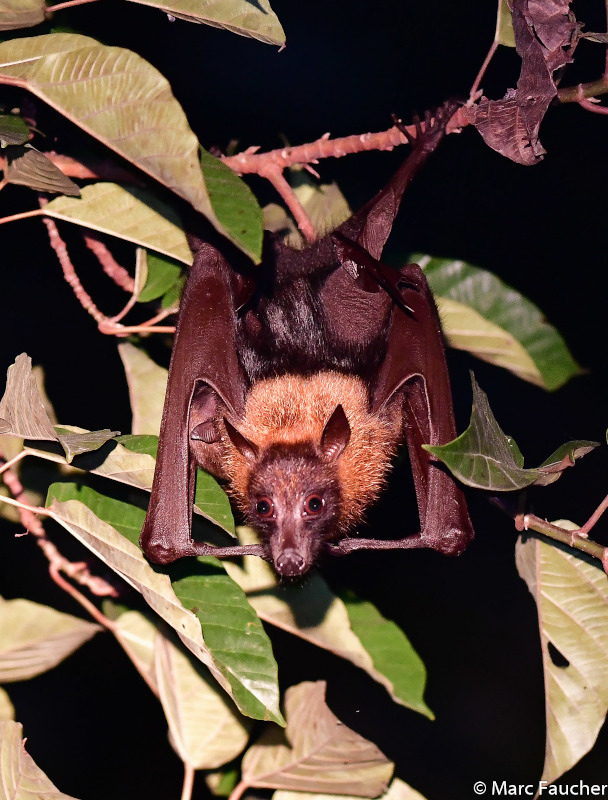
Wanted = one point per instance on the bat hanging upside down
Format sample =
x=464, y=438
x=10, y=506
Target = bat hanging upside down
x=296, y=389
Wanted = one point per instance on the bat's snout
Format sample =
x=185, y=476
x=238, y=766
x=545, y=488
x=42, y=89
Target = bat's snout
x=290, y=564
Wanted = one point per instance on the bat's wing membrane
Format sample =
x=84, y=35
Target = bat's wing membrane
x=204, y=371
x=415, y=365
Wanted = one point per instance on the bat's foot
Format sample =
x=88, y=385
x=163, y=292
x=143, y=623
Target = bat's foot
x=435, y=123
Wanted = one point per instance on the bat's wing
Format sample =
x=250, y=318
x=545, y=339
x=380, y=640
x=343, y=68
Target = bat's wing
x=371, y=226
x=414, y=370
x=204, y=372
x=414, y=374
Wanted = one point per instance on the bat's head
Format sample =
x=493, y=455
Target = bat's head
x=294, y=496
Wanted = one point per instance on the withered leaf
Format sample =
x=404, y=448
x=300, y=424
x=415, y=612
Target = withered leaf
x=546, y=33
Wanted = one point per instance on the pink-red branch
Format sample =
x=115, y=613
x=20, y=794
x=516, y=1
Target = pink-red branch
x=119, y=274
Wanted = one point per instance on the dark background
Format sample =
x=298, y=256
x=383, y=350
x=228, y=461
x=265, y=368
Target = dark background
x=91, y=723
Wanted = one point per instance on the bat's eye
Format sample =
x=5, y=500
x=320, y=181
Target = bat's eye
x=264, y=507
x=313, y=504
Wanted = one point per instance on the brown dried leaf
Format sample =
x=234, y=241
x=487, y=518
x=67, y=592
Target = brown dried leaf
x=545, y=36
x=28, y=167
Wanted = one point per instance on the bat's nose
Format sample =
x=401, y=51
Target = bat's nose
x=290, y=563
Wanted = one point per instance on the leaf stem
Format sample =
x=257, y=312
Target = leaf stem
x=36, y=212
x=482, y=70
x=188, y=781
x=68, y=4
x=238, y=790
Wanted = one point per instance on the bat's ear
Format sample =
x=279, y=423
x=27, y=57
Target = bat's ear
x=246, y=448
x=336, y=434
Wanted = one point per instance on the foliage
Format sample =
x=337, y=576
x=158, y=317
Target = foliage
x=194, y=631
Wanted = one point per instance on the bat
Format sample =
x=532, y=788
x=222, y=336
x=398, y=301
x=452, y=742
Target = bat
x=296, y=384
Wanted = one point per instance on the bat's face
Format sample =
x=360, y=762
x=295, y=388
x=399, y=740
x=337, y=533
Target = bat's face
x=294, y=504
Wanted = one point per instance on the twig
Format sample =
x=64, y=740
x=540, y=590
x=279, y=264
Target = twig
x=574, y=539
x=584, y=530
x=111, y=328
x=69, y=273
x=482, y=70
x=251, y=161
x=30, y=520
x=103, y=170
x=119, y=274
x=91, y=608
x=270, y=165
x=574, y=94
x=277, y=179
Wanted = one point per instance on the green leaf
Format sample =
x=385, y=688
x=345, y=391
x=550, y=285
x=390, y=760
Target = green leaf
x=571, y=596
x=318, y=752
x=172, y=297
x=126, y=518
x=392, y=654
x=23, y=414
x=483, y=457
x=22, y=779
x=35, y=638
x=147, y=383
x=132, y=214
x=483, y=315
x=28, y=167
x=13, y=129
x=256, y=20
x=235, y=635
x=21, y=14
x=205, y=729
x=258, y=699
x=314, y=613
x=146, y=444
x=123, y=101
x=504, y=25
x=75, y=442
x=210, y=499
x=234, y=204
x=163, y=274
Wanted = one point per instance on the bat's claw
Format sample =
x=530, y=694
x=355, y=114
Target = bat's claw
x=435, y=123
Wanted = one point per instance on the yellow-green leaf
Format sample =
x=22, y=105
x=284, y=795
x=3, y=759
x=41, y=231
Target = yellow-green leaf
x=318, y=754
x=147, y=384
x=21, y=14
x=256, y=20
x=21, y=778
x=131, y=214
x=7, y=710
x=466, y=329
x=504, y=25
x=571, y=596
x=205, y=729
x=123, y=101
x=34, y=638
